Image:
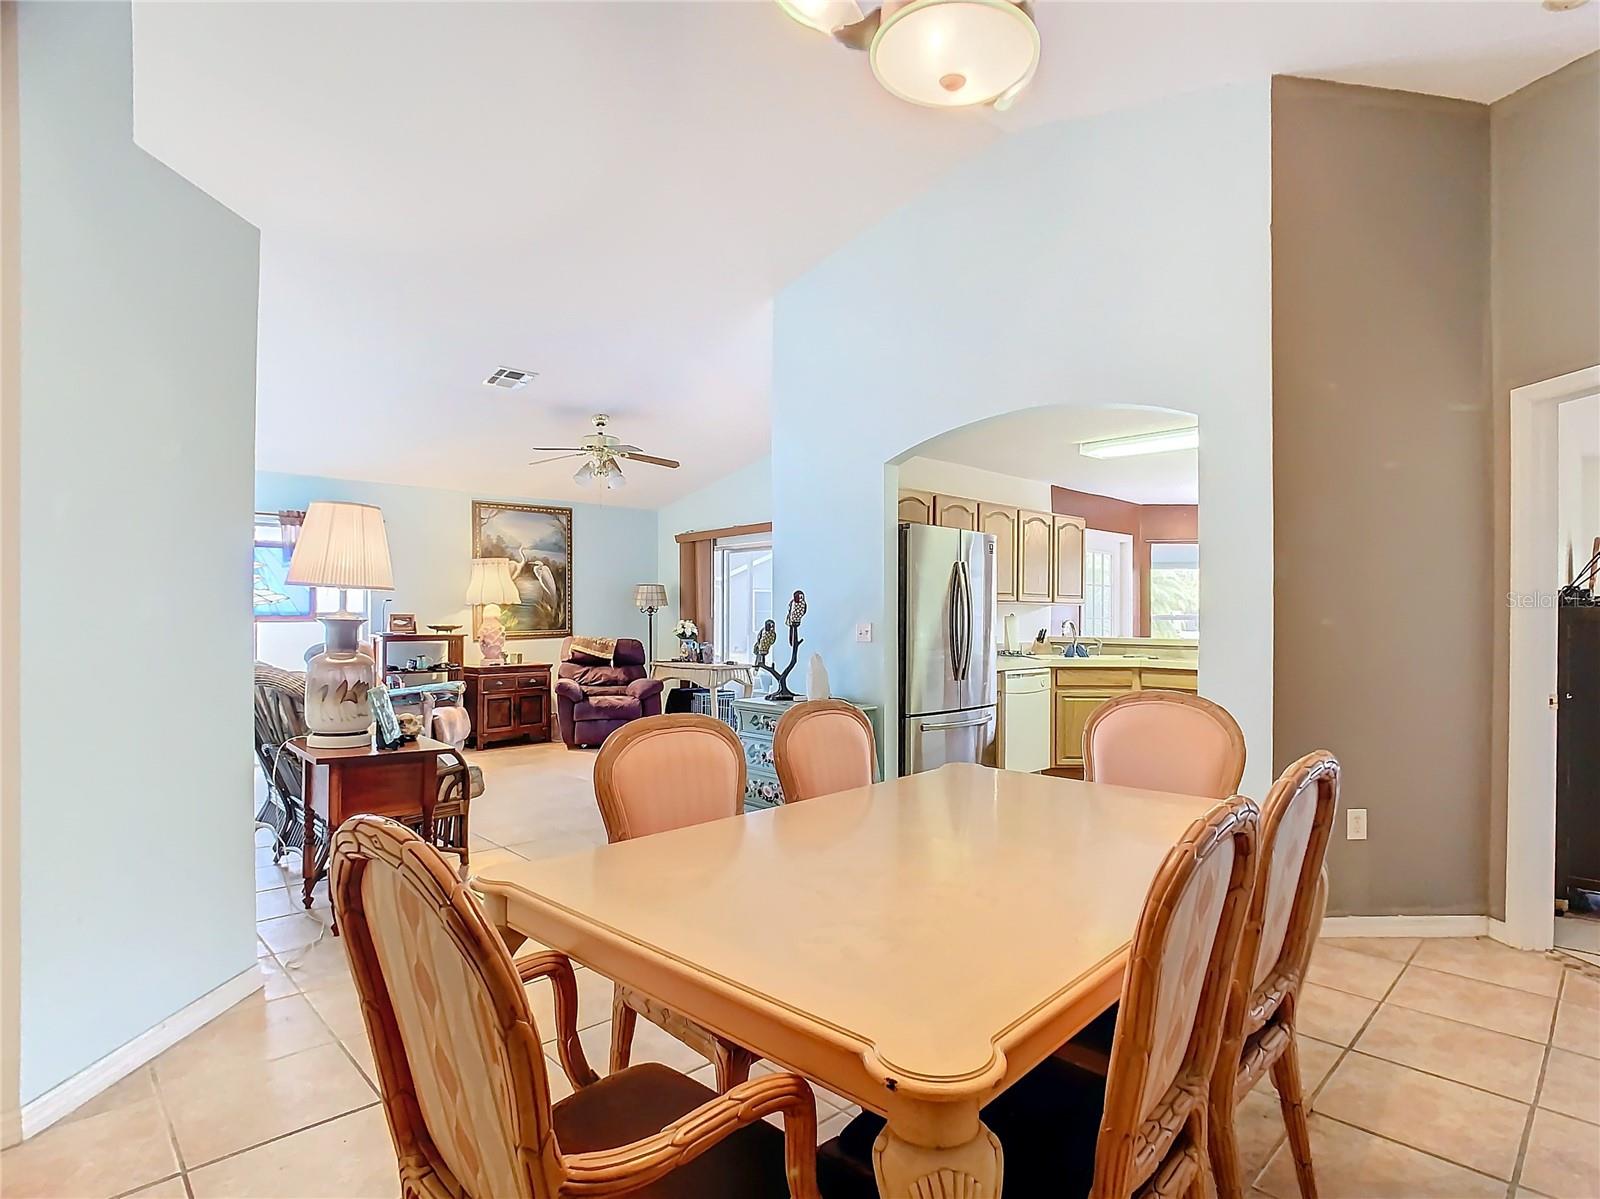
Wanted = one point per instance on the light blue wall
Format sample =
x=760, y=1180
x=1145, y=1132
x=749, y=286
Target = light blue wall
x=1118, y=259
x=430, y=543
x=742, y=498
x=138, y=330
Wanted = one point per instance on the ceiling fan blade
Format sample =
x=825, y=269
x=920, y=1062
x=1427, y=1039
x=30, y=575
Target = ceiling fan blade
x=619, y=448
x=556, y=458
x=653, y=460
x=555, y=449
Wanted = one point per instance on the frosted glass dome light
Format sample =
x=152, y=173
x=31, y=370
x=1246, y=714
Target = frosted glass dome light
x=824, y=16
x=954, y=53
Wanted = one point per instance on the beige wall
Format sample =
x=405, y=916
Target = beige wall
x=1381, y=444
x=1545, y=157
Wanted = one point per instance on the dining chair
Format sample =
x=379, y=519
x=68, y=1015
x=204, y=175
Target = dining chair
x=464, y=1081
x=653, y=775
x=822, y=746
x=1280, y=931
x=1141, y=1128
x=1164, y=741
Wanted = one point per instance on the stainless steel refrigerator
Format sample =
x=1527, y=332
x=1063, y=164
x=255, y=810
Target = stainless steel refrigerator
x=947, y=666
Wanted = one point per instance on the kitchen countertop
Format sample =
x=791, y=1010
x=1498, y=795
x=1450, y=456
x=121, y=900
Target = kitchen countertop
x=1097, y=661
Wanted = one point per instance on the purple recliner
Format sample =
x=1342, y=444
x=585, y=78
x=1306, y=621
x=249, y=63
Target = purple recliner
x=595, y=697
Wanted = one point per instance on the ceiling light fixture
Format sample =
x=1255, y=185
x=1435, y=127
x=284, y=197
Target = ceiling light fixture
x=1163, y=442
x=936, y=53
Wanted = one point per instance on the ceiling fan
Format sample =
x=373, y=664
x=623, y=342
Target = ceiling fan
x=602, y=455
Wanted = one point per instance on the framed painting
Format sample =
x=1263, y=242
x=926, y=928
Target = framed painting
x=537, y=541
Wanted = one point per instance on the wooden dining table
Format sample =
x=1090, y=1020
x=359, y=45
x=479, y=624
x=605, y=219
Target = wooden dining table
x=916, y=946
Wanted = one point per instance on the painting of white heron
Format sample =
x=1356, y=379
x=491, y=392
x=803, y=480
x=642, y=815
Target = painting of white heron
x=537, y=541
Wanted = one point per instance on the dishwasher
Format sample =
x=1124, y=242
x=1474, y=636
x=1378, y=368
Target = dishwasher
x=1024, y=741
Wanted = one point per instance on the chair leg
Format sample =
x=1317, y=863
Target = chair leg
x=1286, y=1078
x=623, y=1019
x=733, y=1064
x=1222, y=1138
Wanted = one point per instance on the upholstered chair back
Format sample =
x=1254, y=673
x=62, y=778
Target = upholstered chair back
x=459, y=1064
x=1296, y=824
x=1170, y=1021
x=667, y=772
x=596, y=675
x=822, y=746
x=1164, y=741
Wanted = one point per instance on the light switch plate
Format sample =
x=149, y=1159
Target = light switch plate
x=1355, y=824
x=863, y=632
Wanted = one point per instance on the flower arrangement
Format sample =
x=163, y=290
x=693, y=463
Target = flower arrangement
x=688, y=635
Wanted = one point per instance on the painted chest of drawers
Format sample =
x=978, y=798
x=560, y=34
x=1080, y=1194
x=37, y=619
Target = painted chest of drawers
x=755, y=720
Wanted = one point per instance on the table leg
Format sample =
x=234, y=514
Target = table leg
x=968, y=1169
x=308, y=846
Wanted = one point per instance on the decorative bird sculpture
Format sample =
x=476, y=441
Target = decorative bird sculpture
x=765, y=640
x=797, y=609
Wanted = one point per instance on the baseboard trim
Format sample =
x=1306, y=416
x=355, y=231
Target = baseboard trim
x=66, y=1097
x=1405, y=926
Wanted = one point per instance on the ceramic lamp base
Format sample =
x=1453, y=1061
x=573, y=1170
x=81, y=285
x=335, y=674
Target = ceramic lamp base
x=492, y=636
x=337, y=682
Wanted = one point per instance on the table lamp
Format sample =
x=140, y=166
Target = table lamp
x=340, y=545
x=650, y=598
x=490, y=586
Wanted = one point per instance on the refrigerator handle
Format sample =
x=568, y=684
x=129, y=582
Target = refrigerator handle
x=966, y=618
x=953, y=622
x=938, y=726
x=962, y=619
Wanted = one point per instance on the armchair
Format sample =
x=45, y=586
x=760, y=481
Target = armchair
x=594, y=697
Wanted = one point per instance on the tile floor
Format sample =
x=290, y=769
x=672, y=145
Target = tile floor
x=1439, y=1069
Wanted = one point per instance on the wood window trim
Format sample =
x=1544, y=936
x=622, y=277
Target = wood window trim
x=695, y=601
x=714, y=534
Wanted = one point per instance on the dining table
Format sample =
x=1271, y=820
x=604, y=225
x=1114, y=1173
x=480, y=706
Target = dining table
x=915, y=946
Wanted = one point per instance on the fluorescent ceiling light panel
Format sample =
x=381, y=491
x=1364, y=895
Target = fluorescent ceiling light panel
x=1142, y=443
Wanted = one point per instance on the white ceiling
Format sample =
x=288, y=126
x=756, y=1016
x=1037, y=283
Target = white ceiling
x=612, y=193
x=1042, y=444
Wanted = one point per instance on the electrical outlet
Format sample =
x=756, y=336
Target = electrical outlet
x=863, y=632
x=1355, y=824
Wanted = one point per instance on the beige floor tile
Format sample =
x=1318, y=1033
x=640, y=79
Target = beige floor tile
x=1354, y=973
x=560, y=1085
x=1470, y=1001
x=594, y=1003
x=1474, y=1128
x=827, y=1101
x=317, y=965
x=285, y=934
x=270, y=877
x=1581, y=989
x=234, y=1104
x=1352, y=1164
x=167, y=1188
x=138, y=1087
x=557, y=845
x=1332, y=1016
x=275, y=980
x=1563, y=1158
x=650, y=1044
x=92, y=1158
x=1258, y=1124
x=1572, y=1086
x=1479, y=1057
x=254, y=1029
x=1398, y=949
x=1489, y=961
x=348, y=1158
x=276, y=902
x=1316, y=1060
x=1578, y=1028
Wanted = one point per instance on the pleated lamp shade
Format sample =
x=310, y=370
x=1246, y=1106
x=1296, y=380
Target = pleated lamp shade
x=342, y=545
x=491, y=582
x=649, y=595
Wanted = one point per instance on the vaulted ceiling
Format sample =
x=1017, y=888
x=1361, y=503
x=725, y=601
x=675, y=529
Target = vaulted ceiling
x=611, y=194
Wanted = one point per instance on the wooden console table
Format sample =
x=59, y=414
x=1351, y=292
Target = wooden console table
x=340, y=783
x=508, y=702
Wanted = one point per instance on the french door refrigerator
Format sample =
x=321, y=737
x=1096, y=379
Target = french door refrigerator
x=947, y=666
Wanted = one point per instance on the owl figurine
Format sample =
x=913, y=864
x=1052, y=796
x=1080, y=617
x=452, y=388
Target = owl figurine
x=797, y=609
x=765, y=640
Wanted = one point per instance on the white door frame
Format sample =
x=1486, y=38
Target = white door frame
x=1535, y=575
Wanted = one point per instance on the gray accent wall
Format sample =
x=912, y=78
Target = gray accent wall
x=1545, y=269
x=137, y=404
x=1382, y=442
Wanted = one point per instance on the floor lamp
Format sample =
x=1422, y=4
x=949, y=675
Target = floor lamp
x=650, y=598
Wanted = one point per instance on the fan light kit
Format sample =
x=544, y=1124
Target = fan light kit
x=1163, y=442
x=937, y=53
x=602, y=456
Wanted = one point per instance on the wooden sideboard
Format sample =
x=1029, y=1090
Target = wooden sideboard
x=508, y=702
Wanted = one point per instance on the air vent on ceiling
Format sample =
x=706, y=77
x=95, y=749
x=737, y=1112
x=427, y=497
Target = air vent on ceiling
x=509, y=378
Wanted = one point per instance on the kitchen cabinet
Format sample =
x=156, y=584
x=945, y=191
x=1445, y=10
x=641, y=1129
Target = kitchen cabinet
x=1078, y=690
x=916, y=507
x=1073, y=707
x=1001, y=522
x=1067, y=560
x=1035, y=573
x=954, y=512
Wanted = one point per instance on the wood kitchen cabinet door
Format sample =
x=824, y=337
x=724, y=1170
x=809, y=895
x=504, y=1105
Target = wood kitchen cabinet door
x=916, y=507
x=1002, y=523
x=1067, y=560
x=1035, y=540
x=953, y=512
x=1072, y=713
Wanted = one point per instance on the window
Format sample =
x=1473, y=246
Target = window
x=285, y=615
x=1175, y=589
x=741, y=592
x=1107, y=584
